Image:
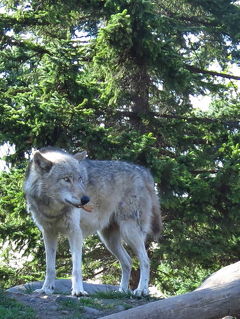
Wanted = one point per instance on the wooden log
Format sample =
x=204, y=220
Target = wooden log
x=217, y=297
x=223, y=276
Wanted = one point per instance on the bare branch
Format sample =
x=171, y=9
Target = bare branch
x=195, y=69
x=178, y=117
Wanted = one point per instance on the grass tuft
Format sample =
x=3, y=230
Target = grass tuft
x=113, y=295
x=12, y=309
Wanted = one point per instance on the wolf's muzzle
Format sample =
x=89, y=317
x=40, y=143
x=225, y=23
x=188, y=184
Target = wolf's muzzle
x=84, y=200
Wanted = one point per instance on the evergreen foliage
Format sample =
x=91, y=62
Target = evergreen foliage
x=115, y=78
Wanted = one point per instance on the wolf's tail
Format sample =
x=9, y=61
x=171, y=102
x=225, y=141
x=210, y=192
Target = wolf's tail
x=157, y=224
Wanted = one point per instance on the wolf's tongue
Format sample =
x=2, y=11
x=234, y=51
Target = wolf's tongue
x=87, y=208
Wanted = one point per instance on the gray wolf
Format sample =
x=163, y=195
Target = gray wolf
x=125, y=208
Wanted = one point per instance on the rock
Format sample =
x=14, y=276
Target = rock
x=63, y=286
x=120, y=308
x=52, y=307
x=91, y=311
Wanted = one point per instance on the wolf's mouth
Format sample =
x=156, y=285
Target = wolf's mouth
x=73, y=204
x=84, y=200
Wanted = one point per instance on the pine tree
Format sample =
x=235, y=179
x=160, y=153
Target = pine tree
x=115, y=78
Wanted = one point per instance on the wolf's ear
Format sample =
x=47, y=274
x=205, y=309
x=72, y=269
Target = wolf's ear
x=41, y=162
x=80, y=156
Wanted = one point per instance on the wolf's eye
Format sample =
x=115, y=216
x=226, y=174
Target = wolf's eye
x=67, y=179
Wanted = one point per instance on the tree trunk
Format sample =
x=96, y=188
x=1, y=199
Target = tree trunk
x=139, y=94
x=217, y=297
x=140, y=90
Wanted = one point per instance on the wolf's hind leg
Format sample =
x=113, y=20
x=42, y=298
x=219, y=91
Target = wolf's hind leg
x=50, y=242
x=111, y=237
x=135, y=238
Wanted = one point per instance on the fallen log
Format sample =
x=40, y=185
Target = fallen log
x=218, y=296
x=223, y=276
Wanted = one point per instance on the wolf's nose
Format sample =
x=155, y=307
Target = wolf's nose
x=84, y=200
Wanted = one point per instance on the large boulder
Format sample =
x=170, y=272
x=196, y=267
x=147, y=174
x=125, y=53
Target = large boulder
x=63, y=286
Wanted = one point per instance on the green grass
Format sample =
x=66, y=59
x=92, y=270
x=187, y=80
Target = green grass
x=113, y=295
x=11, y=309
x=121, y=295
x=83, y=301
x=28, y=289
x=72, y=305
x=94, y=303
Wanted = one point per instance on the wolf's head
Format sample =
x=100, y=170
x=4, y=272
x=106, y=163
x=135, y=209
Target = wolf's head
x=56, y=176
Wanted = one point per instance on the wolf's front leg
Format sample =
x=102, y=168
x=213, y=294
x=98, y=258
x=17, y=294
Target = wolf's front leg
x=75, y=242
x=50, y=242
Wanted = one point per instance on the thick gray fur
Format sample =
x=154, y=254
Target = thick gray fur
x=125, y=208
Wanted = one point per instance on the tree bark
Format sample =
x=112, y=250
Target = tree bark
x=217, y=297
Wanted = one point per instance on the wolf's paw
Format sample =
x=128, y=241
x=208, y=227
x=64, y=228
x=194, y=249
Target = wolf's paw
x=79, y=293
x=141, y=292
x=44, y=290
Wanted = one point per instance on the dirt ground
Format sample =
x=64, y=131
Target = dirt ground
x=58, y=306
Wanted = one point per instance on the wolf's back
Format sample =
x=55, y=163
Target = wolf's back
x=102, y=173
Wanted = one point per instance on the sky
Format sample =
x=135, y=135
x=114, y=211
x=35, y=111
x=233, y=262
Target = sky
x=202, y=102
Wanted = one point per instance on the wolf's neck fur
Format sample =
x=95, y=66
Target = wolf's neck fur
x=48, y=208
